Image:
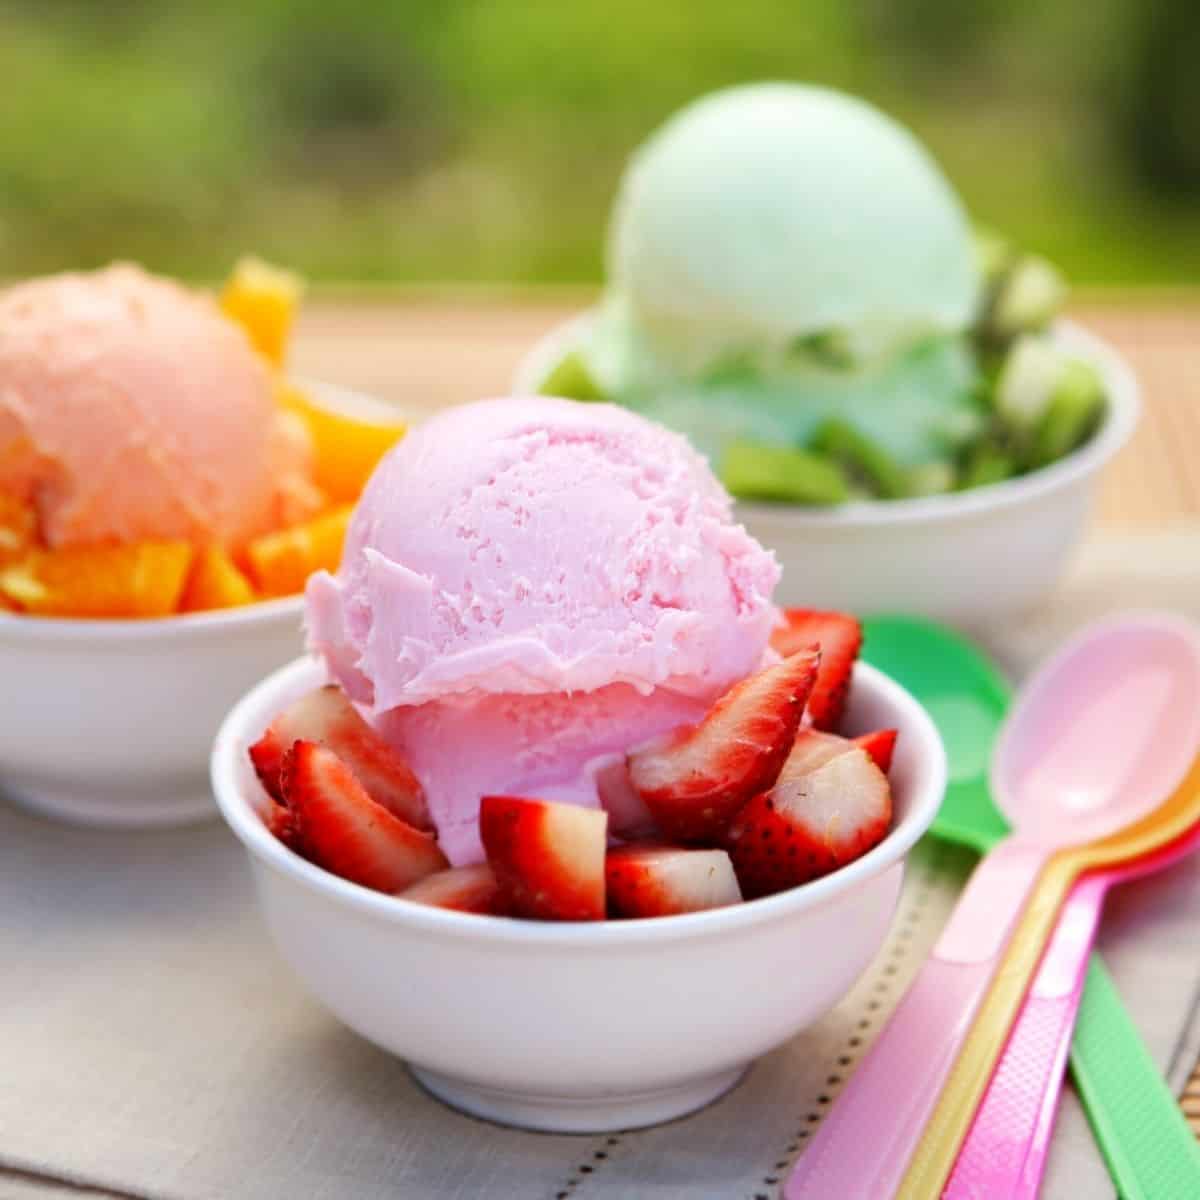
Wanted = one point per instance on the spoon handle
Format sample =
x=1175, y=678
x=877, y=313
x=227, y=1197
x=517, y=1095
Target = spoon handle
x=1005, y=1151
x=862, y=1148
x=1147, y=1144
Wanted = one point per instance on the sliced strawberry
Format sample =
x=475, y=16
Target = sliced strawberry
x=822, y=813
x=628, y=817
x=329, y=719
x=839, y=637
x=281, y=821
x=465, y=889
x=813, y=749
x=695, y=779
x=339, y=827
x=660, y=881
x=880, y=745
x=548, y=858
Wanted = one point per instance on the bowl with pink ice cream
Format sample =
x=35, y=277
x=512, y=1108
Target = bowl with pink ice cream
x=156, y=494
x=549, y=686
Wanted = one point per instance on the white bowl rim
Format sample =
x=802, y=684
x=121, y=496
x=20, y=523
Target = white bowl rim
x=247, y=825
x=186, y=626
x=1123, y=412
x=210, y=622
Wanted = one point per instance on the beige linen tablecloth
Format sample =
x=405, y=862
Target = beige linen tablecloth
x=152, y=1044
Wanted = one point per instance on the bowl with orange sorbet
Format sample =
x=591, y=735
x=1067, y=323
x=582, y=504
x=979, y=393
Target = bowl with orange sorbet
x=165, y=491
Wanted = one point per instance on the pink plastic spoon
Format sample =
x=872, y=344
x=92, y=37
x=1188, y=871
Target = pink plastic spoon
x=1005, y=1152
x=1100, y=736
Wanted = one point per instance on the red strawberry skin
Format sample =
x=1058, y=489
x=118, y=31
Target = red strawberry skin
x=327, y=717
x=548, y=858
x=839, y=637
x=881, y=746
x=339, y=827
x=662, y=881
x=810, y=823
x=267, y=756
x=695, y=780
x=472, y=889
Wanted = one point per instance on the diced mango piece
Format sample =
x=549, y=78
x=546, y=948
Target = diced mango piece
x=263, y=300
x=280, y=563
x=346, y=448
x=141, y=579
x=18, y=526
x=216, y=582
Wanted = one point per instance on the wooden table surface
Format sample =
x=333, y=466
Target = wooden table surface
x=428, y=351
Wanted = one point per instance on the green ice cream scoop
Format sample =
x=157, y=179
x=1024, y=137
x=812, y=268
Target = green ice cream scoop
x=780, y=214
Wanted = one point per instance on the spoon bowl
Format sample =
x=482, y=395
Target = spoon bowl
x=1068, y=769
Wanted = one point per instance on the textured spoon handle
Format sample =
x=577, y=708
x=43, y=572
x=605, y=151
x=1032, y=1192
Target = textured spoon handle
x=863, y=1146
x=1005, y=1152
x=1149, y=1148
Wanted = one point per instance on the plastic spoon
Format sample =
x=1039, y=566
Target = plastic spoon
x=1004, y=1155
x=1092, y=759
x=1135, y=1118
x=1070, y=768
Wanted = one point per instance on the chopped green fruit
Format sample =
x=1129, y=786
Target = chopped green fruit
x=931, y=479
x=734, y=366
x=1030, y=374
x=570, y=378
x=754, y=471
x=995, y=255
x=861, y=457
x=830, y=348
x=986, y=463
x=1074, y=411
x=1027, y=299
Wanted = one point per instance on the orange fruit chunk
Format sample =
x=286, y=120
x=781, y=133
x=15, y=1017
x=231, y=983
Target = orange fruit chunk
x=346, y=446
x=280, y=563
x=139, y=579
x=18, y=525
x=215, y=582
x=262, y=299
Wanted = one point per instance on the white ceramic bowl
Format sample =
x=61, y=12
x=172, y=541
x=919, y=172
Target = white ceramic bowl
x=990, y=552
x=111, y=722
x=579, y=1027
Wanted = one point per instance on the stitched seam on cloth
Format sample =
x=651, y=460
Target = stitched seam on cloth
x=588, y=1165
x=39, y=1177
x=897, y=950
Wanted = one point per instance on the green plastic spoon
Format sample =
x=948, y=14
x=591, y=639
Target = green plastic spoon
x=1134, y=1117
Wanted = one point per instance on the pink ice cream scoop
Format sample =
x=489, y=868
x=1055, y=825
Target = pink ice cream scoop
x=130, y=408
x=530, y=585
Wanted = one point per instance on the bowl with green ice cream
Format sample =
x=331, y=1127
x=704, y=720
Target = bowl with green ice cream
x=891, y=396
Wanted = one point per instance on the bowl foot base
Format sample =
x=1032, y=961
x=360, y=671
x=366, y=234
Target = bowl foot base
x=572, y=1114
x=133, y=808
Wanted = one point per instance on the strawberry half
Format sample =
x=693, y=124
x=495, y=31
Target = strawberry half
x=830, y=805
x=465, y=889
x=695, y=779
x=548, y=858
x=628, y=817
x=880, y=745
x=661, y=881
x=329, y=719
x=339, y=827
x=281, y=821
x=839, y=638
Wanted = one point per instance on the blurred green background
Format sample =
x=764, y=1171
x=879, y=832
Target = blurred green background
x=481, y=140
